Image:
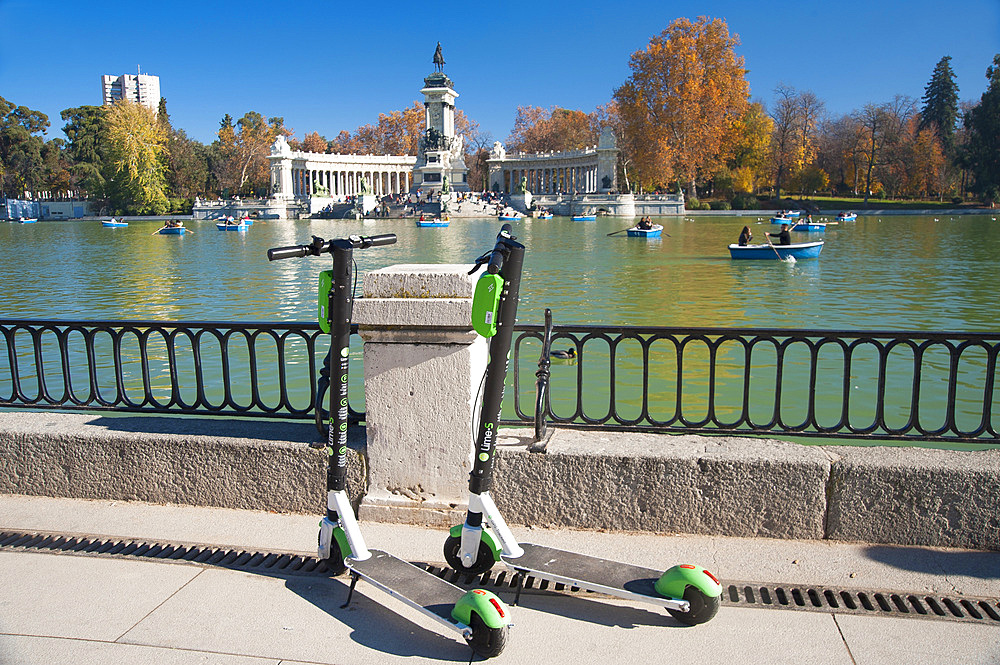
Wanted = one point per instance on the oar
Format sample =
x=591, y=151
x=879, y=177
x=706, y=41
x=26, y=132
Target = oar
x=767, y=237
x=614, y=233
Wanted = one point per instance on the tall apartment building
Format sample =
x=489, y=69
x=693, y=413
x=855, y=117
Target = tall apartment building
x=138, y=88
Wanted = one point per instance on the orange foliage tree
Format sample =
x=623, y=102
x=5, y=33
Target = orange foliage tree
x=540, y=130
x=681, y=103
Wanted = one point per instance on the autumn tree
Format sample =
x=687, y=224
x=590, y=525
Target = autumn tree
x=750, y=159
x=135, y=163
x=243, y=149
x=882, y=130
x=555, y=129
x=983, y=140
x=796, y=117
x=313, y=142
x=682, y=101
x=840, y=151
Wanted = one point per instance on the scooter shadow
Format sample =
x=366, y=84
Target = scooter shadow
x=580, y=607
x=374, y=625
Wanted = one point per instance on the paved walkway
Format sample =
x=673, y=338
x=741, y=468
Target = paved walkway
x=80, y=609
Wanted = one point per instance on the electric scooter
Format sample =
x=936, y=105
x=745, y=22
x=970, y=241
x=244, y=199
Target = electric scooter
x=479, y=616
x=689, y=593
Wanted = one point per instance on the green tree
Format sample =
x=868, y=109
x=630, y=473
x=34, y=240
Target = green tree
x=86, y=148
x=940, y=110
x=21, y=146
x=684, y=97
x=136, y=163
x=983, y=142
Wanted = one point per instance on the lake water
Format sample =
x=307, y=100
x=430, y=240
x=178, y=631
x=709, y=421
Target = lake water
x=891, y=273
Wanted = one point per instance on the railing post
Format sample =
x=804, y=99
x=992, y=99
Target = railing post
x=423, y=366
x=542, y=386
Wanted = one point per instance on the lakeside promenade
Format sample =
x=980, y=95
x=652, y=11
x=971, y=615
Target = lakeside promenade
x=92, y=608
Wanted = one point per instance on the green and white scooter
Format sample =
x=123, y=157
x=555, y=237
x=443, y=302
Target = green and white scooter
x=690, y=593
x=478, y=615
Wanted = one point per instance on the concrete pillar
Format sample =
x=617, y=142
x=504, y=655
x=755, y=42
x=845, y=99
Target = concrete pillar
x=423, y=364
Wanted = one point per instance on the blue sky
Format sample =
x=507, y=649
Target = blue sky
x=328, y=66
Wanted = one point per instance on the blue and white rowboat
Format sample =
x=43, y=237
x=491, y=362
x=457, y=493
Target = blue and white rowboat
x=636, y=232
x=804, y=250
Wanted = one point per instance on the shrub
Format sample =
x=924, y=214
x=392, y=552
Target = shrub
x=744, y=202
x=720, y=205
x=957, y=200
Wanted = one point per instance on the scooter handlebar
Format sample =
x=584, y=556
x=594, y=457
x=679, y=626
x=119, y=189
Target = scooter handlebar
x=377, y=241
x=499, y=251
x=319, y=246
x=288, y=252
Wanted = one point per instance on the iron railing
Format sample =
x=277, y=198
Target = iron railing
x=937, y=386
x=811, y=383
x=207, y=368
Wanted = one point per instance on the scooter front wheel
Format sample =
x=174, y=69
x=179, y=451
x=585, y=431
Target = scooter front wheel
x=335, y=563
x=452, y=554
x=703, y=607
x=485, y=641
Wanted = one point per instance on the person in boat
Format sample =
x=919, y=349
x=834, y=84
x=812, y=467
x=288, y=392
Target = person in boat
x=645, y=223
x=421, y=217
x=745, y=236
x=783, y=236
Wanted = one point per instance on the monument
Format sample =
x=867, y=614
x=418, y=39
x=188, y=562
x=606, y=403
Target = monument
x=440, y=155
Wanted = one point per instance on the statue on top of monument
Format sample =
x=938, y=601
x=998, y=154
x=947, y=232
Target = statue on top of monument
x=438, y=59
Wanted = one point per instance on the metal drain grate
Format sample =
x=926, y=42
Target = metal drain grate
x=286, y=563
x=735, y=594
x=868, y=602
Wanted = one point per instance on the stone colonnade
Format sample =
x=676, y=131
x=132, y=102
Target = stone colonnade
x=590, y=170
x=552, y=179
x=297, y=175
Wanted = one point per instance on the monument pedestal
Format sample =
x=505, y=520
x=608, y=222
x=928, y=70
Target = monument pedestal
x=521, y=202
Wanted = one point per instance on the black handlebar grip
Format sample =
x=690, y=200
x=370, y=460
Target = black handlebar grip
x=286, y=252
x=383, y=239
x=496, y=262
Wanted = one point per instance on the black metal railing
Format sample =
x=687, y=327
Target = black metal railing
x=207, y=368
x=812, y=383
x=938, y=386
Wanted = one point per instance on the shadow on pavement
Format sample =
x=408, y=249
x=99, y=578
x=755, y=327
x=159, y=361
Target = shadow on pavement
x=980, y=565
x=374, y=625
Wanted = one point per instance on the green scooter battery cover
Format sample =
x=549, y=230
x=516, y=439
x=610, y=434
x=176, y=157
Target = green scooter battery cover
x=325, y=284
x=485, y=303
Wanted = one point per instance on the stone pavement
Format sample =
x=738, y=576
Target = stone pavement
x=79, y=608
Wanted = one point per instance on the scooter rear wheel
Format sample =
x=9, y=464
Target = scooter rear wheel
x=703, y=607
x=485, y=641
x=484, y=558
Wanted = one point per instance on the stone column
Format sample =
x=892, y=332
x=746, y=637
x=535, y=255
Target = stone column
x=423, y=366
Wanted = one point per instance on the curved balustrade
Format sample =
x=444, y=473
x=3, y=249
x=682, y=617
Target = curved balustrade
x=937, y=386
x=212, y=368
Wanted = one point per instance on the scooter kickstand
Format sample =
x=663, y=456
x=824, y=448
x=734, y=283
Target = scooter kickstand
x=354, y=582
x=520, y=585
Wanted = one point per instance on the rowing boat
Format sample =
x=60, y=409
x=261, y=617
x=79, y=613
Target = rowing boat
x=804, y=250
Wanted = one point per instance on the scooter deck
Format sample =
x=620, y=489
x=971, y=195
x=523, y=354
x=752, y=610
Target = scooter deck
x=592, y=573
x=415, y=586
